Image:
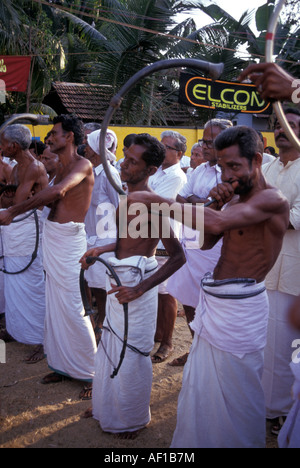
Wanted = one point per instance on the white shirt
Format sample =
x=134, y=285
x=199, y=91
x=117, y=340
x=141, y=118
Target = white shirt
x=202, y=180
x=267, y=158
x=168, y=182
x=284, y=276
x=185, y=161
x=104, y=203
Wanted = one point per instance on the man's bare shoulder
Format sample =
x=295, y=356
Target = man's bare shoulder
x=83, y=164
x=273, y=199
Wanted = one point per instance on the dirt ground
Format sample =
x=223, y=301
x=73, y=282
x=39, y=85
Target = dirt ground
x=33, y=415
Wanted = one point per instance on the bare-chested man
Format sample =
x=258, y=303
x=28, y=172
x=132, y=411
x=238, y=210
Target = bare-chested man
x=221, y=403
x=122, y=404
x=70, y=343
x=24, y=292
x=51, y=162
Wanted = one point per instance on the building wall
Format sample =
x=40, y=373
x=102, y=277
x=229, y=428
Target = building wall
x=192, y=135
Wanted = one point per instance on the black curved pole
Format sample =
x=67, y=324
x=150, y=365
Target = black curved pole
x=33, y=118
x=212, y=69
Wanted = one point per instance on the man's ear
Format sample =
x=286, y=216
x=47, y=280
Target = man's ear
x=16, y=148
x=151, y=170
x=258, y=158
x=70, y=137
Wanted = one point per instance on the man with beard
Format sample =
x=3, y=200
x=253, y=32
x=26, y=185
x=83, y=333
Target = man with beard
x=221, y=403
x=184, y=285
x=283, y=280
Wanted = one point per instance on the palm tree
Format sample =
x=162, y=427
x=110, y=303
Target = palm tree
x=138, y=34
x=38, y=30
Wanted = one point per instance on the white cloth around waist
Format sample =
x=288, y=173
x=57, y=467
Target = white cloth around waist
x=142, y=312
x=19, y=238
x=233, y=315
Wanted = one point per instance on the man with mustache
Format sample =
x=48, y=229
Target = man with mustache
x=221, y=404
x=283, y=280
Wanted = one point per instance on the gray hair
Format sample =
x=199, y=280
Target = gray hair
x=196, y=145
x=221, y=123
x=180, y=140
x=19, y=134
x=92, y=126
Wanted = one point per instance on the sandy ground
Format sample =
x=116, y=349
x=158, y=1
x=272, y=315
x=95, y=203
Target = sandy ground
x=37, y=416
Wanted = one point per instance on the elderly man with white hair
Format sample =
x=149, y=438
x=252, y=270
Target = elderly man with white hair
x=100, y=218
x=24, y=290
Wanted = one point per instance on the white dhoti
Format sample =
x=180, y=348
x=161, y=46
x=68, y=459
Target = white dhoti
x=221, y=404
x=184, y=285
x=70, y=343
x=24, y=292
x=96, y=274
x=277, y=377
x=289, y=436
x=122, y=404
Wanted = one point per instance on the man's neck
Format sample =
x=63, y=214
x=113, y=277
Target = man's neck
x=24, y=157
x=287, y=155
x=67, y=155
x=140, y=187
x=166, y=165
x=259, y=185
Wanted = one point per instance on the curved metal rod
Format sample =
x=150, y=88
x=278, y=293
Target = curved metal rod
x=89, y=311
x=35, y=120
x=37, y=241
x=269, y=58
x=214, y=70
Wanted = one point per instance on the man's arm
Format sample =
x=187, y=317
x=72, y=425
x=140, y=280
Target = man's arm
x=272, y=82
x=175, y=261
x=96, y=252
x=294, y=313
x=49, y=194
x=262, y=207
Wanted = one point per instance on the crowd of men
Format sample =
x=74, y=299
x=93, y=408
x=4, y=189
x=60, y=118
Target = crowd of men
x=237, y=279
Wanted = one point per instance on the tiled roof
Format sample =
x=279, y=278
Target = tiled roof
x=91, y=101
x=88, y=101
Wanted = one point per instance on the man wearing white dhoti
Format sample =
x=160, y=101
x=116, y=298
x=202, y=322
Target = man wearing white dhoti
x=184, y=285
x=24, y=292
x=69, y=338
x=289, y=434
x=122, y=404
x=282, y=281
x=221, y=403
x=100, y=221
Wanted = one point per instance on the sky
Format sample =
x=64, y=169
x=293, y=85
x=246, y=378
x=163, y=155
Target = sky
x=235, y=7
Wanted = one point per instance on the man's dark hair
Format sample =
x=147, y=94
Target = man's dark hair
x=155, y=151
x=38, y=146
x=289, y=110
x=292, y=110
x=129, y=139
x=71, y=123
x=246, y=138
